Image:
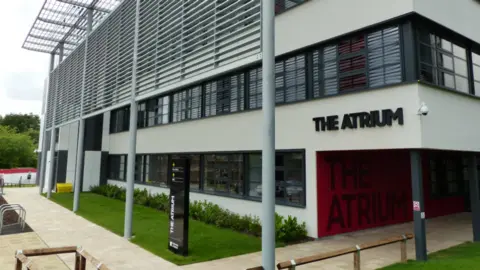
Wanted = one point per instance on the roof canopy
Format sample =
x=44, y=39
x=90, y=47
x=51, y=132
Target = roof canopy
x=65, y=21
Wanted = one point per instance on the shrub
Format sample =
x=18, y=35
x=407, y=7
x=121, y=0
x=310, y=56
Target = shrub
x=287, y=230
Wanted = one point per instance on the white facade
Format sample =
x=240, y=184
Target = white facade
x=449, y=125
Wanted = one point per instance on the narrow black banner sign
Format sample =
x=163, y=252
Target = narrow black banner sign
x=179, y=206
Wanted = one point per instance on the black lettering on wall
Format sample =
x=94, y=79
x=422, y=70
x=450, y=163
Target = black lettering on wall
x=347, y=122
x=363, y=208
x=360, y=119
x=335, y=215
x=332, y=122
x=349, y=198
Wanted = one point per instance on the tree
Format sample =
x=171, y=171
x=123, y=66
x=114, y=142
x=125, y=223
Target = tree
x=34, y=134
x=16, y=149
x=21, y=122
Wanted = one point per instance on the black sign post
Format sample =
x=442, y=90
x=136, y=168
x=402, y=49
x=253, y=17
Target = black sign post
x=179, y=206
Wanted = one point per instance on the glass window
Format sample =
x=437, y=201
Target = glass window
x=325, y=71
x=116, y=167
x=113, y=167
x=139, y=168
x=123, y=169
x=476, y=72
x=225, y=95
x=290, y=79
x=223, y=173
x=142, y=115
x=187, y=104
x=120, y=120
x=157, y=170
x=443, y=63
x=448, y=174
x=289, y=178
x=344, y=66
x=283, y=5
x=162, y=110
x=195, y=172
x=255, y=89
x=384, y=64
x=195, y=169
x=352, y=63
x=151, y=112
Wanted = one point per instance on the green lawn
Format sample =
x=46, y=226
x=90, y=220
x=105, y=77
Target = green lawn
x=150, y=229
x=465, y=256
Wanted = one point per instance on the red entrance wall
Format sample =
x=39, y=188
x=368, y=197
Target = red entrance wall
x=362, y=189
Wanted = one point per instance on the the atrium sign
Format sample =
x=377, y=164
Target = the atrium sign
x=372, y=119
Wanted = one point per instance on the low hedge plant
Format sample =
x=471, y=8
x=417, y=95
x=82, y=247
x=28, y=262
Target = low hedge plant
x=287, y=230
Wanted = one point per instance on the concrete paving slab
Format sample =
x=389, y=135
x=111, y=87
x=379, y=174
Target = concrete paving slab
x=59, y=227
x=9, y=244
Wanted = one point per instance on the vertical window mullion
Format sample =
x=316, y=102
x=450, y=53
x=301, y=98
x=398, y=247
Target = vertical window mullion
x=202, y=172
x=365, y=53
x=471, y=76
x=203, y=100
x=309, y=75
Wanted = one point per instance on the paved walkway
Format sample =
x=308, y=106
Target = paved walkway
x=58, y=226
x=9, y=244
x=442, y=233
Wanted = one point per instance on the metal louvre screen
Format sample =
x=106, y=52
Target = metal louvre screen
x=177, y=40
x=52, y=84
x=182, y=39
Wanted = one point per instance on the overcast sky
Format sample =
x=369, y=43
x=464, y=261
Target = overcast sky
x=22, y=72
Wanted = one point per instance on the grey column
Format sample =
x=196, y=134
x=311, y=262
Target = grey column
x=43, y=161
x=81, y=125
x=60, y=52
x=417, y=197
x=474, y=197
x=268, y=141
x=53, y=133
x=132, y=134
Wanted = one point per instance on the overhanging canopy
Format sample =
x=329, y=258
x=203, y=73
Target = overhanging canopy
x=65, y=22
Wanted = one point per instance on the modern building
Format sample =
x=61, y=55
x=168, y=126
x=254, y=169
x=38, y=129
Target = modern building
x=376, y=117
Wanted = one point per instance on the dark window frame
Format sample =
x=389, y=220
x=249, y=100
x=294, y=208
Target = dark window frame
x=245, y=182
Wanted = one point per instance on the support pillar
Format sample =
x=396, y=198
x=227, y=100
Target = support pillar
x=132, y=133
x=418, y=206
x=61, y=52
x=81, y=124
x=474, y=196
x=268, y=141
x=43, y=159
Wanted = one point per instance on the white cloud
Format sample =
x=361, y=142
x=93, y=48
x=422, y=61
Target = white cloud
x=22, y=72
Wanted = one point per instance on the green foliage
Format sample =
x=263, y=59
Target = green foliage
x=287, y=230
x=21, y=122
x=19, y=135
x=16, y=150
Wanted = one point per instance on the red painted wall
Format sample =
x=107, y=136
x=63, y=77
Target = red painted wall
x=362, y=189
x=18, y=170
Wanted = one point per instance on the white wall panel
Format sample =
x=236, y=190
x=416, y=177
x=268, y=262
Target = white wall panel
x=452, y=122
x=48, y=172
x=63, y=140
x=319, y=20
x=462, y=16
x=106, y=132
x=91, y=172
